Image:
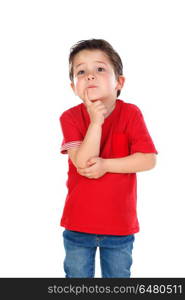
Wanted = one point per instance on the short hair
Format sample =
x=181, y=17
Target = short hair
x=97, y=44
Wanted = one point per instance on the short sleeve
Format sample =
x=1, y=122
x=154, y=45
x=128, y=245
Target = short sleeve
x=139, y=136
x=71, y=135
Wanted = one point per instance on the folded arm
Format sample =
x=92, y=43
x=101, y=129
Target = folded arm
x=133, y=163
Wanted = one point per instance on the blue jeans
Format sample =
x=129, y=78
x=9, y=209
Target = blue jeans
x=80, y=250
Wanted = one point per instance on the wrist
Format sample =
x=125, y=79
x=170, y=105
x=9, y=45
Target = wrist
x=95, y=125
x=106, y=165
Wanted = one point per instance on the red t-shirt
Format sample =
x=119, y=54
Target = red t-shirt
x=106, y=205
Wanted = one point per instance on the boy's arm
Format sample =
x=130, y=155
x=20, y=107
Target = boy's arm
x=90, y=147
x=133, y=163
x=142, y=150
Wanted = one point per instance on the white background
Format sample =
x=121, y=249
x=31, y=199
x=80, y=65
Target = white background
x=36, y=37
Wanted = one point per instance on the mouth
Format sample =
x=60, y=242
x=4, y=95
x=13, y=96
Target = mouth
x=92, y=87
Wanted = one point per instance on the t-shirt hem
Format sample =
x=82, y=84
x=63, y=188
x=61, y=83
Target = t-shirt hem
x=100, y=230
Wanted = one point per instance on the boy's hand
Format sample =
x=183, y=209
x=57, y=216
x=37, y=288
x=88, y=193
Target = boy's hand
x=96, y=110
x=96, y=168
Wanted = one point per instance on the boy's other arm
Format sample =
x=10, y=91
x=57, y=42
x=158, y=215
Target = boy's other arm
x=133, y=163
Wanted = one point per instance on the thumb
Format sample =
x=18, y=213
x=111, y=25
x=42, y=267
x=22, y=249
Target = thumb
x=92, y=160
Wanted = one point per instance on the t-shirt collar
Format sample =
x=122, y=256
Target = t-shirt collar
x=109, y=116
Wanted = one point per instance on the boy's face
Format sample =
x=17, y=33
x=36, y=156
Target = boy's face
x=93, y=68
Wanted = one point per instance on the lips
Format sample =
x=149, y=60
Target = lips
x=92, y=86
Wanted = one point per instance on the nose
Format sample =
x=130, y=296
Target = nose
x=90, y=77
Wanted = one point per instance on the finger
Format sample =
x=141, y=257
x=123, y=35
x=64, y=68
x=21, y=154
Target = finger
x=91, y=163
x=90, y=168
x=98, y=104
x=89, y=175
x=87, y=100
x=101, y=109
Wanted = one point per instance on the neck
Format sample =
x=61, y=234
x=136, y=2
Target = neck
x=110, y=107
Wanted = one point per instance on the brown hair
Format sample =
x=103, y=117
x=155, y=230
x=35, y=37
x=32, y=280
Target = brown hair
x=99, y=44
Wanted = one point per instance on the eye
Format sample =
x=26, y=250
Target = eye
x=100, y=68
x=79, y=72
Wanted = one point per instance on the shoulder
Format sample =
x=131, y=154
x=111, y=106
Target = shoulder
x=129, y=109
x=71, y=112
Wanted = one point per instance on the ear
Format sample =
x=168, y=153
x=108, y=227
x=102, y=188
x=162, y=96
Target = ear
x=73, y=87
x=120, y=82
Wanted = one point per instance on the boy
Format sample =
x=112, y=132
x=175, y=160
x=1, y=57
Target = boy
x=107, y=142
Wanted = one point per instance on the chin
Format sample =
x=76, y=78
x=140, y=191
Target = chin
x=95, y=98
